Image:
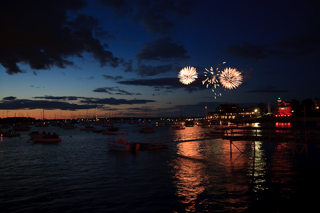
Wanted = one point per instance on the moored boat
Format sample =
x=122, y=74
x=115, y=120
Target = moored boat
x=48, y=138
x=123, y=145
x=177, y=127
x=114, y=133
x=87, y=128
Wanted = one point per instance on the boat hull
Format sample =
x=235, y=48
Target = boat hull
x=123, y=146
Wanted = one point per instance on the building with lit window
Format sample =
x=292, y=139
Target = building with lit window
x=233, y=111
x=283, y=109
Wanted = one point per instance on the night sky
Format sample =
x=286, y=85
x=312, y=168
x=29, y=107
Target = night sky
x=122, y=57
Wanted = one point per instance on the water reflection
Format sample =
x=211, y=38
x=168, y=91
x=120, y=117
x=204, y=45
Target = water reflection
x=235, y=176
x=204, y=169
x=190, y=177
x=189, y=133
x=259, y=167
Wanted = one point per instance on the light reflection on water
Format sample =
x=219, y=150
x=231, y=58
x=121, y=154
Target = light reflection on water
x=233, y=179
x=81, y=174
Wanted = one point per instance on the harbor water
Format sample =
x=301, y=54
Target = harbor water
x=81, y=174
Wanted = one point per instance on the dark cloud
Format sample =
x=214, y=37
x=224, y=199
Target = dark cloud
x=167, y=83
x=9, y=98
x=163, y=49
x=113, y=101
x=70, y=98
x=115, y=78
x=127, y=65
x=148, y=70
x=60, y=102
x=156, y=16
x=38, y=33
x=36, y=104
x=114, y=91
x=246, y=51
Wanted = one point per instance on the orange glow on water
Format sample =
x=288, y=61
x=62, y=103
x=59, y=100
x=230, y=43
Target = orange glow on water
x=189, y=174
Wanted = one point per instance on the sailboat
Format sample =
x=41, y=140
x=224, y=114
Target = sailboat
x=145, y=128
x=44, y=137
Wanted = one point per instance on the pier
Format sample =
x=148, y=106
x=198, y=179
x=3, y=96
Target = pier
x=297, y=138
x=298, y=135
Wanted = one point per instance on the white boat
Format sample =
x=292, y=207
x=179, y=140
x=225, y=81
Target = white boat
x=123, y=145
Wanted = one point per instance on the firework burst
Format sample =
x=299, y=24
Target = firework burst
x=211, y=78
x=188, y=75
x=230, y=78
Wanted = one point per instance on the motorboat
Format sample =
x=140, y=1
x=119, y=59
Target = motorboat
x=177, y=127
x=87, y=128
x=48, y=138
x=37, y=134
x=123, y=145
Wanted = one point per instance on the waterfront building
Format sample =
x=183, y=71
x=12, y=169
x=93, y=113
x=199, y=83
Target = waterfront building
x=283, y=109
x=233, y=111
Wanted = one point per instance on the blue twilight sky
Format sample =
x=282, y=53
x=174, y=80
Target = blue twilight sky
x=122, y=57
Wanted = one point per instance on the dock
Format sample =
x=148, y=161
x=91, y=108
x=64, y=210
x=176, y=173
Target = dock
x=277, y=134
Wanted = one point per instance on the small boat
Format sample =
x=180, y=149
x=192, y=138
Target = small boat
x=114, y=133
x=48, y=138
x=147, y=130
x=123, y=145
x=88, y=128
x=177, y=127
x=189, y=124
x=37, y=134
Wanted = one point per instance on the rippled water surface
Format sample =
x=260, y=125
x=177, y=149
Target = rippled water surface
x=81, y=174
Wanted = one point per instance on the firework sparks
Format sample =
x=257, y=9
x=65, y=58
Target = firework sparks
x=188, y=75
x=211, y=78
x=230, y=78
